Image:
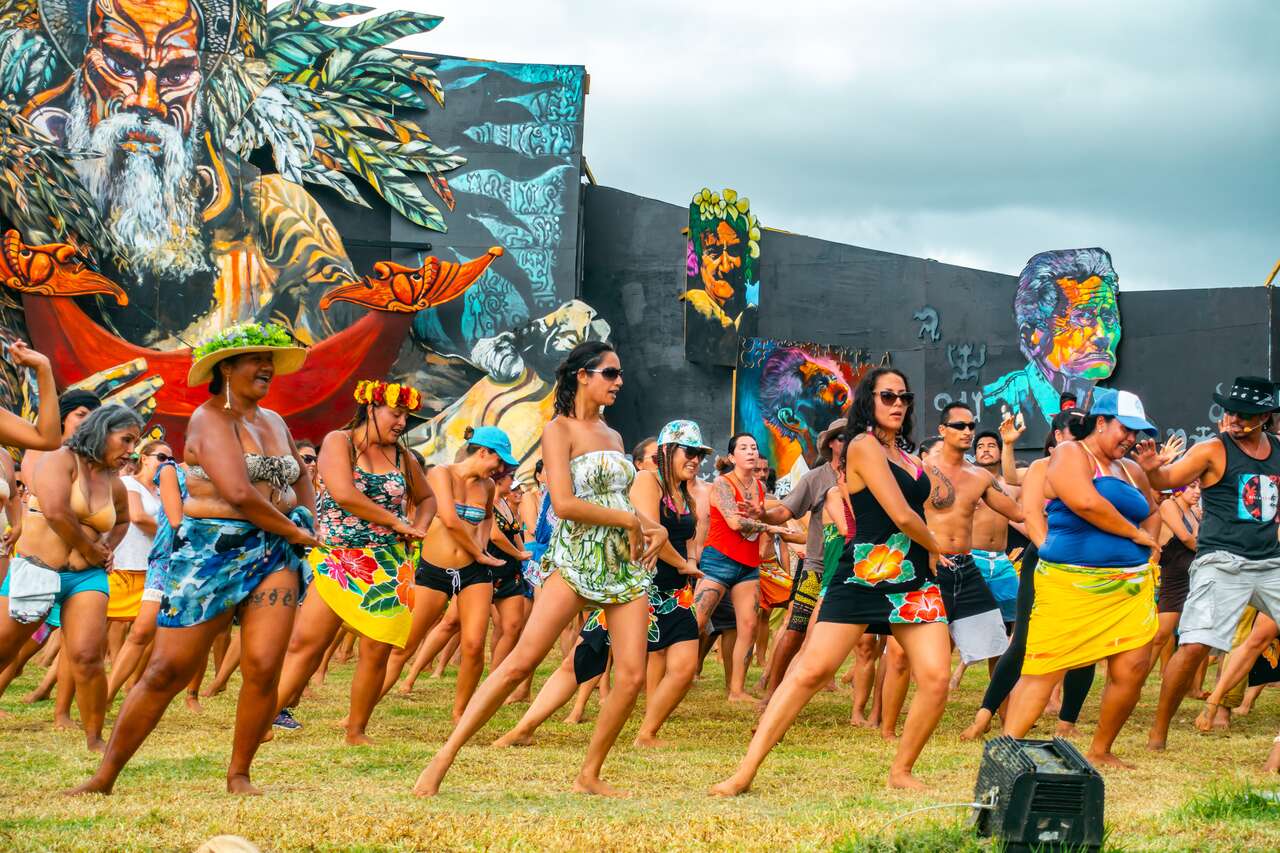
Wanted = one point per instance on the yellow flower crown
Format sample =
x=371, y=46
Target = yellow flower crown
x=395, y=395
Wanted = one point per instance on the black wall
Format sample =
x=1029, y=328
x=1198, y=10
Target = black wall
x=1175, y=348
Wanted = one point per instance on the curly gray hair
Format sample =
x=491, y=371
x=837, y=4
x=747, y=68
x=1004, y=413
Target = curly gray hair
x=90, y=438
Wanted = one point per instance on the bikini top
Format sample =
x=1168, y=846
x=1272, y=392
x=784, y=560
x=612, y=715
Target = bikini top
x=102, y=519
x=469, y=513
x=279, y=471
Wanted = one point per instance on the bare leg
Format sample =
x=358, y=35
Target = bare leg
x=178, y=651
x=831, y=644
x=141, y=634
x=428, y=605
x=13, y=635
x=448, y=656
x=525, y=688
x=1237, y=667
x=1126, y=673
x=1177, y=678
x=863, y=673
x=1273, y=760
x=473, y=616
x=1164, y=633
x=317, y=627
x=84, y=623
x=897, y=679
x=784, y=651
x=928, y=650
x=230, y=663
x=681, y=661
x=746, y=601
x=511, y=618
x=65, y=693
x=27, y=651
x=116, y=631
x=1250, y=696
x=553, y=696
x=437, y=638
x=193, y=686
x=48, y=681
x=761, y=641
x=266, y=621
x=556, y=606
x=346, y=646
x=322, y=672
x=706, y=598
x=371, y=670
x=1027, y=702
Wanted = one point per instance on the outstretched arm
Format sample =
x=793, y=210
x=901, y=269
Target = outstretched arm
x=999, y=500
x=46, y=434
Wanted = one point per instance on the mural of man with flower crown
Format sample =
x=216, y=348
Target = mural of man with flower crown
x=722, y=290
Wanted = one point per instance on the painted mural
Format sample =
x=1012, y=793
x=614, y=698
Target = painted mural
x=171, y=167
x=1068, y=316
x=722, y=277
x=786, y=393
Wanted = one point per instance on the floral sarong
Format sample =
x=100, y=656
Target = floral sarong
x=371, y=589
x=216, y=563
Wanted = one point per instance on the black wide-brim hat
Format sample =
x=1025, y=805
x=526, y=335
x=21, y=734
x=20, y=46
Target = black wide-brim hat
x=1250, y=395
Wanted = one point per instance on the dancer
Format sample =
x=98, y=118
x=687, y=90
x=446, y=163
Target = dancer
x=129, y=569
x=506, y=542
x=369, y=516
x=991, y=528
x=1181, y=523
x=1095, y=596
x=673, y=629
x=731, y=556
x=600, y=553
x=77, y=512
x=1238, y=554
x=238, y=552
x=884, y=576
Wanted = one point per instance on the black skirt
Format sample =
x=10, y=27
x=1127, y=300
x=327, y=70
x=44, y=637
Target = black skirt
x=671, y=621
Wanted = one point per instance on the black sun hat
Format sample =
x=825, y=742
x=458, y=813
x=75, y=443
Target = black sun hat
x=1250, y=395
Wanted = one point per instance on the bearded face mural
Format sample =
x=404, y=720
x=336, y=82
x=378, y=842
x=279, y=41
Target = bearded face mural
x=178, y=166
x=722, y=281
x=1068, y=317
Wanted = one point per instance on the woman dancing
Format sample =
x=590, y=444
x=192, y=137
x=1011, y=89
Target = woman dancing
x=1181, y=523
x=1095, y=596
x=506, y=542
x=77, y=513
x=363, y=569
x=599, y=553
x=239, y=550
x=885, y=576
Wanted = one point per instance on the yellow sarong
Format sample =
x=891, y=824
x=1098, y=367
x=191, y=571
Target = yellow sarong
x=370, y=589
x=1083, y=615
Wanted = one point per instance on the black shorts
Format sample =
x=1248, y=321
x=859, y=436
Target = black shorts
x=964, y=591
x=671, y=621
x=451, y=581
x=507, y=584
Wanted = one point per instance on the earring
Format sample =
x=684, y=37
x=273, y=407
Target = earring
x=227, y=405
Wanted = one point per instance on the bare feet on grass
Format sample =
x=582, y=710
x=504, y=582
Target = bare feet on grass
x=358, y=739
x=193, y=703
x=96, y=744
x=428, y=784
x=648, y=741
x=731, y=787
x=63, y=722
x=240, y=784
x=1107, y=759
x=405, y=689
x=93, y=786
x=595, y=786
x=515, y=737
x=981, y=725
x=742, y=698
x=904, y=780
x=858, y=720
x=1065, y=729
x=576, y=718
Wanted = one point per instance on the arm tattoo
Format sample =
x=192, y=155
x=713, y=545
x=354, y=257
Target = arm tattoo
x=943, y=494
x=996, y=485
x=727, y=503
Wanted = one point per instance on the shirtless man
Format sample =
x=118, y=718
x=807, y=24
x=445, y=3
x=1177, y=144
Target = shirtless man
x=990, y=528
x=973, y=616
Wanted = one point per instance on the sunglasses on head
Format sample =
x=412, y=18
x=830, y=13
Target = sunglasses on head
x=959, y=425
x=888, y=397
x=613, y=374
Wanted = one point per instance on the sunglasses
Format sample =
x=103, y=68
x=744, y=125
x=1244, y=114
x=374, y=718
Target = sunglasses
x=163, y=457
x=888, y=397
x=961, y=425
x=613, y=374
x=309, y=460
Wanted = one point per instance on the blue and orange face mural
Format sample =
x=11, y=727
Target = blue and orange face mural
x=787, y=393
x=1068, y=317
x=722, y=290
x=178, y=166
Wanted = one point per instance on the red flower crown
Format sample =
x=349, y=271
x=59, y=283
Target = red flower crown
x=393, y=394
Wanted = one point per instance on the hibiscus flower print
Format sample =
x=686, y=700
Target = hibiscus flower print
x=919, y=605
x=344, y=564
x=883, y=563
x=404, y=584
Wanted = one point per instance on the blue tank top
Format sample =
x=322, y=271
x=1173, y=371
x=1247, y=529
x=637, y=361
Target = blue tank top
x=1076, y=542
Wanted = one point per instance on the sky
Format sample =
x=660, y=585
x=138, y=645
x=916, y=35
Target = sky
x=977, y=133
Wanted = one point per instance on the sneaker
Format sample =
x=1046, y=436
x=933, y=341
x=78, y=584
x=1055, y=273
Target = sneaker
x=285, y=720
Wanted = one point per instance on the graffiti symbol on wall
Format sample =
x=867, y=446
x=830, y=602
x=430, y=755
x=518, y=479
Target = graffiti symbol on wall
x=1068, y=317
x=722, y=285
x=928, y=317
x=787, y=393
x=966, y=360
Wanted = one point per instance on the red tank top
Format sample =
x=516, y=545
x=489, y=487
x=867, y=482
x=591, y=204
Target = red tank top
x=730, y=542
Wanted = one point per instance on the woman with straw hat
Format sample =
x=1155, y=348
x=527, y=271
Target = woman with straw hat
x=237, y=553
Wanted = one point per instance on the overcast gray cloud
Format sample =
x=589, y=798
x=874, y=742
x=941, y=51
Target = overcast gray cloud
x=972, y=132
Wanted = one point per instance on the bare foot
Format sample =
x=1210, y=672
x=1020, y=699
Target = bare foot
x=1242, y=711
x=405, y=689
x=1273, y=761
x=651, y=742
x=208, y=692
x=1065, y=729
x=193, y=703
x=428, y=784
x=742, y=698
x=857, y=720
x=888, y=737
x=847, y=678
x=1107, y=759
x=514, y=738
x=1155, y=744
x=575, y=718
x=517, y=699
x=1222, y=720
x=308, y=693
x=62, y=722
x=96, y=744
x=831, y=686
x=1052, y=709
x=1205, y=719
x=269, y=735
x=342, y=724
x=731, y=787
x=359, y=739
x=93, y=786
x=595, y=786
x=903, y=779
x=240, y=784
x=1199, y=695
x=981, y=725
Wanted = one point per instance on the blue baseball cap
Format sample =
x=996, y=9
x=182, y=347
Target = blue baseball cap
x=496, y=440
x=1125, y=407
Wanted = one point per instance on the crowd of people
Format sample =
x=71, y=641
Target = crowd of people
x=1108, y=557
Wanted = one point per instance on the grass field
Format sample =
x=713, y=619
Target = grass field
x=823, y=788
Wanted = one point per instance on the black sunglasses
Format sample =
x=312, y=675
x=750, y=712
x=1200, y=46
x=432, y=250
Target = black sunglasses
x=307, y=459
x=907, y=397
x=613, y=374
x=959, y=425
x=693, y=452
x=163, y=457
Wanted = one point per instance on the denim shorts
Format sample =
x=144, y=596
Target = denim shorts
x=726, y=571
x=93, y=579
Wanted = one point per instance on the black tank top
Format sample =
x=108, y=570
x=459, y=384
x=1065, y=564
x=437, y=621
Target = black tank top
x=1240, y=509
x=511, y=528
x=875, y=527
x=680, y=529
x=1175, y=552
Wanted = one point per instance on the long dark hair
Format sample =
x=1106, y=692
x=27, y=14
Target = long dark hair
x=584, y=356
x=862, y=411
x=667, y=478
x=724, y=464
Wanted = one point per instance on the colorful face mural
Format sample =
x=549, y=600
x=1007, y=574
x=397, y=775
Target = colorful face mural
x=787, y=393
x=1068, y=317
x=153, y=157
x=722, y=285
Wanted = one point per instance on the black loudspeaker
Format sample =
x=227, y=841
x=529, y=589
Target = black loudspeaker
x=1039, y=794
